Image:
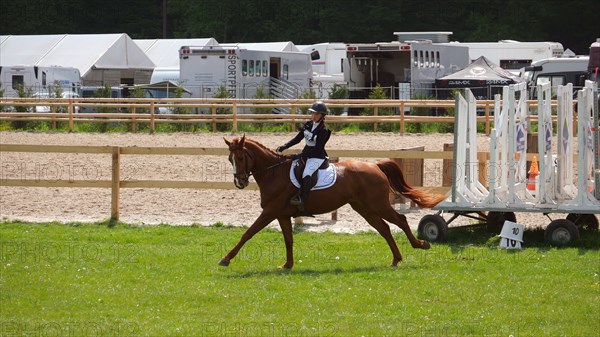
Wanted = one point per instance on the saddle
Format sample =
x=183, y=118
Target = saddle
x=298, y=168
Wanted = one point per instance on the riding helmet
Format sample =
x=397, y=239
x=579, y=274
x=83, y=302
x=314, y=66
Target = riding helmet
x=319, y=107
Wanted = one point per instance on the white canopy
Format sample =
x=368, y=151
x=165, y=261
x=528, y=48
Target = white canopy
x=265, y=46
x=164, y=53
x=87, y=52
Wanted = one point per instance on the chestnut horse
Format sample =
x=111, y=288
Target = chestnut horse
x=365, y=186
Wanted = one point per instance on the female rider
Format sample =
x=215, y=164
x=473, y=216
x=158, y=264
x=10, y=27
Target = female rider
x=316, y=136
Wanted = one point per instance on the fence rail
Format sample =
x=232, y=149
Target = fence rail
x=141, y=110
x=116, y=183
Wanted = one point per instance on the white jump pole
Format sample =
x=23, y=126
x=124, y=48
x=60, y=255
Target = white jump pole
x=545, y=187
x=565, y=189
x=585, y=168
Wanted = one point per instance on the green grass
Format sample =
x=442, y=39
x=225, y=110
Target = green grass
x=113, y=279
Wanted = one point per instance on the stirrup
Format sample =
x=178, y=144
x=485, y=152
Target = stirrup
x=295, y=200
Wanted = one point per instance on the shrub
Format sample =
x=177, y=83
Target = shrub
x=379, y=93
x=223, y=93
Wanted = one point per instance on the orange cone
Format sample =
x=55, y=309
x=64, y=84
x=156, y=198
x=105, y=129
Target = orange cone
x=533, y=173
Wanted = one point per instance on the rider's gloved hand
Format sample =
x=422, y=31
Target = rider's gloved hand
x=281, y=148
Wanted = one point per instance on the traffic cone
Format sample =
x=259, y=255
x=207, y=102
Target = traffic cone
x=533, y=173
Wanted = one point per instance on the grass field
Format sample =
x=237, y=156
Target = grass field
x=100, y=280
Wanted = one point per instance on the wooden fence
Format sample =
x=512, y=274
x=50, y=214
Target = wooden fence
x=116, y=182
x=143, y=110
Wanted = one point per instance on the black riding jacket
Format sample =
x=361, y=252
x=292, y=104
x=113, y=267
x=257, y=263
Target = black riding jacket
x=315, y=140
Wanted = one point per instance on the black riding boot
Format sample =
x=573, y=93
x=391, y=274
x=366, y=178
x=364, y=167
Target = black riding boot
x=302, y=196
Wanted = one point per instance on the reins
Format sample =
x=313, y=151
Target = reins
x=250, y=173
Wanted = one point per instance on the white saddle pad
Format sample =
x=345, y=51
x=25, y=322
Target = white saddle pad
x=326, y=177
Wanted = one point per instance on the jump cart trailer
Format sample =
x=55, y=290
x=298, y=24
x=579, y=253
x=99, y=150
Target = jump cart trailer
x=509, y=190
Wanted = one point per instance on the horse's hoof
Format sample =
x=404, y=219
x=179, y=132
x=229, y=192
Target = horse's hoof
x=285, y=266
x=425, y=245
x=224, y=263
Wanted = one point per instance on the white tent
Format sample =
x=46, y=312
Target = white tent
x=165, y=52
x=102, y=59
x=165, y=55
x=264, y=46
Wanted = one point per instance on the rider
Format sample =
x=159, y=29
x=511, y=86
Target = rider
x=316, y=136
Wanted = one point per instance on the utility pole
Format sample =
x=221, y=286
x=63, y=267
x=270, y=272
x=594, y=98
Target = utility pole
x=164, y=19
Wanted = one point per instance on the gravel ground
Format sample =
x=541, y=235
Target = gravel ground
x=181, y=206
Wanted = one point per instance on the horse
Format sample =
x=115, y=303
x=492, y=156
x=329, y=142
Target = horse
x=363, y=185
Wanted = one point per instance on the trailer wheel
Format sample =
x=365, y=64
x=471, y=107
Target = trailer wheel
x=495, y=220
x=433, y=228
x=584, y=221
x=561, y=232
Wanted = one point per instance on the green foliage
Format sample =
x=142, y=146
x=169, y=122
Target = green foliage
x=380, y=93
x=236, y=21
x=223, y=93
x=261, y=93
x=55, y=91
x=23, y=92
x=63, y=276
x=338, y=91
x=104, y=92
x=2, y=91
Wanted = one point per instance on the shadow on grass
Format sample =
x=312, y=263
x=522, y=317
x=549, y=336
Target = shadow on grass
x=317, y=272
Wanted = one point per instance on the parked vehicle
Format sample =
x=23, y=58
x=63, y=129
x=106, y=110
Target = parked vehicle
x=594, y=62
x=96, y=92
x=46, y=96
x=38, y=78
x=513, y=55
x=556, y=71
x=411, y=66
x=241, y=69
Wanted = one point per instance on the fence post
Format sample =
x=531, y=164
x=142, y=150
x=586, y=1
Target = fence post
x=402, y=118
x=53, y=118
x=375, y=113
x=487, y=118
x=293, y=123
x=71, y=116
x=133, y=121
x=115, y=182
x=213, y=109
x=152, y=117
x=334, y=214
x=234, y=116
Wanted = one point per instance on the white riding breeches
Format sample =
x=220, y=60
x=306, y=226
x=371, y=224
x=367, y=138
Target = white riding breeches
x=312, y=164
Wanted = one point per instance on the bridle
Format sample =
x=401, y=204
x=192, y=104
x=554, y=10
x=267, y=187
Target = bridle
x=244, y=177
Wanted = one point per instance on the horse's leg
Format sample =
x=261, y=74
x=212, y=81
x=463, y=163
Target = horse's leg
x=286, y=228
x=261, y=222
x=383, y=228
x=400, y=220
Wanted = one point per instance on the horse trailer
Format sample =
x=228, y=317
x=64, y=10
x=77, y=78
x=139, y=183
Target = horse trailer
x=38, y=79
x=242, y=72
x=513, y=55
x=412, y=65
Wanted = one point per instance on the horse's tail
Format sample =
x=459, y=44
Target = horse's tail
x=399, y=186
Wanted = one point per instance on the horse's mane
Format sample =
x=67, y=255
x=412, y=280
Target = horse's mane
x=266, y=149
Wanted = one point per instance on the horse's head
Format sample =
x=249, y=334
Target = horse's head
x=241, y=160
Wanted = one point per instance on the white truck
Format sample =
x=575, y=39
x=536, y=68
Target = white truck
x=38, y=79
x=241, y=70
x=327, y=59
x=513, y=55
x=556, y=71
